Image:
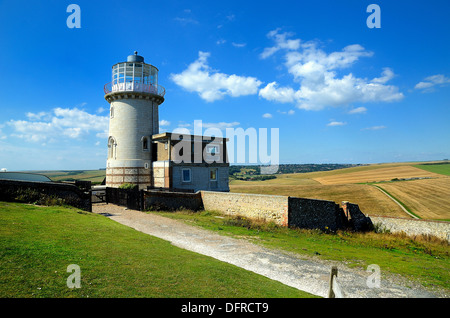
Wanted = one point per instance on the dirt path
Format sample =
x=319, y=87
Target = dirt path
x=305, y=274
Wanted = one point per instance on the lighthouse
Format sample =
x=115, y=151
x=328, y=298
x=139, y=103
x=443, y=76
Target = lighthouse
x=134, y=96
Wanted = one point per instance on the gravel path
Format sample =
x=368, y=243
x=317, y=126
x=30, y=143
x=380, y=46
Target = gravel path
x=310, y=275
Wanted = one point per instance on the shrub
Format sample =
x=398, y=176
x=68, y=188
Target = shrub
x=128, y=186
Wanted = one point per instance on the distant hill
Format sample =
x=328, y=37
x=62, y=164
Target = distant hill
x=253, y=172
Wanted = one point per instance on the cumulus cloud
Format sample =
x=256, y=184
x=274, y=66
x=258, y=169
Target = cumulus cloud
x=316, y=74
x=429, y=82
x=164, y=122
x=358, y=110
x=336, y=123
x=281, y=42
x=61, y=122
x=278, y=94
x=387, y=73
x=267, y=115
x=211, y=85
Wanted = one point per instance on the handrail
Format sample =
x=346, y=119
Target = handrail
x=134, y=87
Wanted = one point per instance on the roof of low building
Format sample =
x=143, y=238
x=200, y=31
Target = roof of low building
x=176, y=136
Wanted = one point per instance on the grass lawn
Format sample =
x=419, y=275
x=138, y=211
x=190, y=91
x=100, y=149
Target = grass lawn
x=37, y=244
x=422, y=260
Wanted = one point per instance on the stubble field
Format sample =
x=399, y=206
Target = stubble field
x=425, y=193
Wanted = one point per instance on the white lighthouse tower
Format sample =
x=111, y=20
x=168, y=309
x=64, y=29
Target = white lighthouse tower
x=134, y=96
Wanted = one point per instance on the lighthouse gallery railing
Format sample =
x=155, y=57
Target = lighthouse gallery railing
x=135, y=87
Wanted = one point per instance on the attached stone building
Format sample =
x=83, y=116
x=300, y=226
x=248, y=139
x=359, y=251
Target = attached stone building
x=189, y=162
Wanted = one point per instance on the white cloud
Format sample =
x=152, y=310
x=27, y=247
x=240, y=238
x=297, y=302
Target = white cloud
x=238, y=44
x=336, y=123
x=315, y=72
x=231, y=17
x=282, y=95
x=2, y=136
x=38, y=116
x=101, y=110
x=220, y=125
x=186, y=21
x=375, y=128
x=199, y=127
x=290, y=112
x=61, y=122
x=387, y=73
x=358, y=110
x=267, y=115
x=432, y=81
x=212, y=85
x=281, y=42
x=164, y=122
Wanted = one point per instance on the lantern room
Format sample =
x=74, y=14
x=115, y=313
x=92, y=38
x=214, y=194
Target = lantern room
x=136, y=76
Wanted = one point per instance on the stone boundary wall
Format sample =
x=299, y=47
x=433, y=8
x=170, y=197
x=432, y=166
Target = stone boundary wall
x=315, y=214
x=70, y=193
x=164, y=200
x=291, y=211
x=412, y=227
x=256, y=206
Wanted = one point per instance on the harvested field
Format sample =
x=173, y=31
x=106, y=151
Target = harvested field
x=370, y=200
x=376, y=175
x=427, y=198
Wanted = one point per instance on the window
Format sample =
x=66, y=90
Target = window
x=213, y=175
x=145, y=143
x=212, y=149
x=112, y=112
x=112, y=148
x=186, y=175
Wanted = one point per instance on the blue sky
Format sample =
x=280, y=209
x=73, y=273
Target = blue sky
x=337, y=90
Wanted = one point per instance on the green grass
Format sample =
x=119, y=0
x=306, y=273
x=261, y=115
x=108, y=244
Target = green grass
x=38, y=243
x=441, y=168
x=425, y=259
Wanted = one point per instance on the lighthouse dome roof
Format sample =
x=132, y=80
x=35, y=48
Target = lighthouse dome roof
x=135, y=58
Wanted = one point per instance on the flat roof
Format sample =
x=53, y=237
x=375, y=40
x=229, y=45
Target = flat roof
x=168, y=135
x=24, y=176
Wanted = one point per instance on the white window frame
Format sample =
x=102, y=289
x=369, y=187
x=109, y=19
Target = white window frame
x=112, y=150
x=210, y=147
x=182, y=175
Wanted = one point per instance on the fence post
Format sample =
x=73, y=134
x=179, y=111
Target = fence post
x=335, y=290
x=334, y=272
x=141, y=200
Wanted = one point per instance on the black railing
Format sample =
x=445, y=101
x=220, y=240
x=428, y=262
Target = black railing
x=132, y=199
